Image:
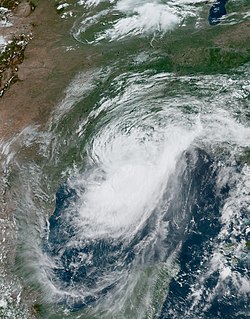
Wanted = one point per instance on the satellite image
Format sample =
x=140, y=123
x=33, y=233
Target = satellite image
x=125, y=159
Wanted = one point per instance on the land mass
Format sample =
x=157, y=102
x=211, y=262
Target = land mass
x=42, y=58
x=39, y=63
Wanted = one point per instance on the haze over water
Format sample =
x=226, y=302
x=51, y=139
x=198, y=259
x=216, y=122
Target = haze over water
x=136, y=204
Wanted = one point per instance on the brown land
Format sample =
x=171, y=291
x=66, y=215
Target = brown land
x=42, y=73
x=46, y=69
x=47, y=66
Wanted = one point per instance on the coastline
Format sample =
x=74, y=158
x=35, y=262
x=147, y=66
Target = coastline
x=48, y=62
x=52, y=58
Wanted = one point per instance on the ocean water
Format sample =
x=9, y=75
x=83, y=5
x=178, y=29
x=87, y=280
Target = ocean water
x=134, y=202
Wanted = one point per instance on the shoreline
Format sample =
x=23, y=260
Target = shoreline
x=52, y=59
x=42, y=75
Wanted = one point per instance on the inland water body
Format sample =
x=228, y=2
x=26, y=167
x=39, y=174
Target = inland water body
x=133, y=200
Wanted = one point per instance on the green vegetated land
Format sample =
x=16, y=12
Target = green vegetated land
x=215, y=49
x=209, y=49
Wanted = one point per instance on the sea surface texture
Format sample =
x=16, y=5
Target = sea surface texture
x=133, y=201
